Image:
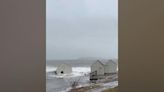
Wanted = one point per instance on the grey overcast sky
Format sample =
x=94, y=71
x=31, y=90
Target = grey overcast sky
x=81, y=28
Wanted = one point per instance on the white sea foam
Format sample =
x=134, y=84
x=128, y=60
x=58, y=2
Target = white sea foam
x=76, y=71
x=50, y=69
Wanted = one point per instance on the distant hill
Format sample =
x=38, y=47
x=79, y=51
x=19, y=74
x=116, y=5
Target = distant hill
x=90, y=58
x=83, y=61
x=77, y=62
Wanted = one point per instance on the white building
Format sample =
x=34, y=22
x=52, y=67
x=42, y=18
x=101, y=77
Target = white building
x=100, y=70
x=64, y=69
x=110, y=67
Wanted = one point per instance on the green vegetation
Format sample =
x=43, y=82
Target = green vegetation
x=112, y=90
x=84, y=89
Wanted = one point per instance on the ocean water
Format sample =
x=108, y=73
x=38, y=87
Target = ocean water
x=56, y=83
x=80, y=72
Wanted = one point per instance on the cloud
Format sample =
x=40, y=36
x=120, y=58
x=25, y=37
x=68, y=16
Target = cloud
x=71, y=34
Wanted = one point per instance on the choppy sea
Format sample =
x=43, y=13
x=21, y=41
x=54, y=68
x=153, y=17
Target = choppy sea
x=80, y=73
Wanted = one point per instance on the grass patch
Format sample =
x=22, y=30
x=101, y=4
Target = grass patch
x=112, y=90
x=84, y=89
